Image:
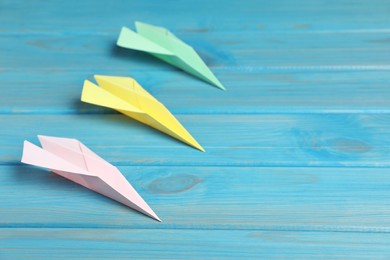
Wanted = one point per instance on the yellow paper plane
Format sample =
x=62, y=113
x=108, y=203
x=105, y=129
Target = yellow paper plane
x=125, y=95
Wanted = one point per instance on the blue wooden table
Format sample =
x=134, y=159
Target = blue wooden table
x=297, y=161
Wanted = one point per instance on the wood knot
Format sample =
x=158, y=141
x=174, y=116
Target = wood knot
x=349, y=145
x=174, y=184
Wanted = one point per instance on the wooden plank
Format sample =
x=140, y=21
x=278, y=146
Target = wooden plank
x=285, y=92
x=245, y=50
x=201, y=16
x=190, y=244
x=305, y=199
x=229, y=140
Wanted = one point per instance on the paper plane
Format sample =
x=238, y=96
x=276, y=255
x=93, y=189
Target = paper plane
x=74, y=161
x=125, y=95
x=164, y=45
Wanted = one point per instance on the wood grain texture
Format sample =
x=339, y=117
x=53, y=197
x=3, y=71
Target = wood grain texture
x=200, y=17
x=295, y=199
x=346, y=140
x=190, y=244
x=256, y=92
x=219, y=50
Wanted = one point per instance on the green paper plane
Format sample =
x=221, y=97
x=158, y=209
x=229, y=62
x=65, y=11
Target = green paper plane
x=162, y=44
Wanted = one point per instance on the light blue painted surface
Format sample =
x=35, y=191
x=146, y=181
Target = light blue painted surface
x=298, y=147
x=192, y=244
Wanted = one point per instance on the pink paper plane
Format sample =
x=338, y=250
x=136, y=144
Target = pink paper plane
x=74, y=161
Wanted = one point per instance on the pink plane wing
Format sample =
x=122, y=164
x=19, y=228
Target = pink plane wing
x=37, y=156
x=125, y=192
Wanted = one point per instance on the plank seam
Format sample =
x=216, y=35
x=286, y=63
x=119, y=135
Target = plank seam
x=287, y=111
x=181, y=32
x=327, y=229
x=321, y=68
x=259, y=165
